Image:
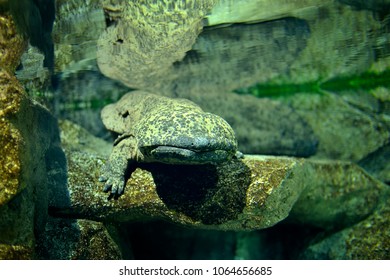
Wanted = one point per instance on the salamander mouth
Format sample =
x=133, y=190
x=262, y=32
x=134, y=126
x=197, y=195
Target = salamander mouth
x=179, y=155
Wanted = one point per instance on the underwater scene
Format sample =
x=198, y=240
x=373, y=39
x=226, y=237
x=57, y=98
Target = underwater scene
x=195, y=129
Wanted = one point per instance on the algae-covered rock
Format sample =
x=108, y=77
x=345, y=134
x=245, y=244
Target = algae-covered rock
x=348, y=125
x=12, y=44
x=10, y=141
x=376, y=5
x=28, y=137
x=338, y=195
x=16, y=236
x=76, y=29
x=15, y=252
x=366, y=240
x=228, y=58
x=203, y=197
x=254, y=193
x=238, y=11
x=226, y=196
x=33, y=75
x=377, y=163
x=75, y=139
x=27, y=133
x=69, y=239
x=328, y=53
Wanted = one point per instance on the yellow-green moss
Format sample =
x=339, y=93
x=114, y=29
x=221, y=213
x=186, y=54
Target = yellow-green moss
x=11, y=94
x=15, y=252
x=12, y=44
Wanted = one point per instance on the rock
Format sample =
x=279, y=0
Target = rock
x=10, y=136
x=69, y=239
x=214, y=199
x=77, y=139
x=254, y=193
x=74, y=139
x=33, y=75
x=15, y=252
x=16, y=235
x=334, y=28
x=12, y=44
x=239, y=11
x=29, y=134
x=356, y=126
x=340, y=194
x=377, y=163
x=205, y=203
x=34, y=20
x=376, y=5
x=76, y=29
x=229, y=58
x=366, y=240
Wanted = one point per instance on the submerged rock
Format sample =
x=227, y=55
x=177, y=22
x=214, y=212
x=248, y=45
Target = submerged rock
x=366, y=240
x=227, y=58
x=378, y=164
x=33, y=75
x=239, y=11
x=203, y=196
x=348, y=125
x=12, y=44
x=340, y=194
x=28, y=136
x=76, y=29
x=68, y=239
x=254, y=193
x=376, y=5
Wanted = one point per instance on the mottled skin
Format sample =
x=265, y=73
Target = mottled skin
x=154, y=128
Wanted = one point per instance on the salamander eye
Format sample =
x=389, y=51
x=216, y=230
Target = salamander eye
x=125, y=114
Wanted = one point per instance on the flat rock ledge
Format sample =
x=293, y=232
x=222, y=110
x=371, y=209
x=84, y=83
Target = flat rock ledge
x=249, y=194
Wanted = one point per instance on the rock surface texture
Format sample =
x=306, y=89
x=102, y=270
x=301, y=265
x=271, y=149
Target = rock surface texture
x=254, y=193
x=28, y=135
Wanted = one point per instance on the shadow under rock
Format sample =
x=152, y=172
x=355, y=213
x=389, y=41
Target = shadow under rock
x=58, y=237
x=212, y=194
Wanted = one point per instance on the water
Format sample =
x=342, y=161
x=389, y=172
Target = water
x=305, y=79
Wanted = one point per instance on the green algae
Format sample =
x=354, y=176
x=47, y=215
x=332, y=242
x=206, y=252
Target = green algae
x=365, y=81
